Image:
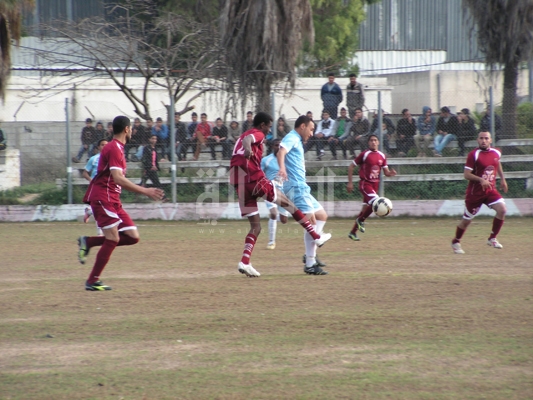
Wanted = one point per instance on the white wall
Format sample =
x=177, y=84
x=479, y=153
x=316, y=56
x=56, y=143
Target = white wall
x=9, y=168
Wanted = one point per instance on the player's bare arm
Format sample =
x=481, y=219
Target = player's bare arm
x=503, y=182
x=485, y=184
x=282, y=173
x=86, y=175
x=119, y=178
x=389, y=172
x=349, y=185
x=247, y=146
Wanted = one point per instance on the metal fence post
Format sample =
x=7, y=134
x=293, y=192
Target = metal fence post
x=69, y=165
x=173, y=150
x=273, y=111
x=492, y=124
x=381, y=188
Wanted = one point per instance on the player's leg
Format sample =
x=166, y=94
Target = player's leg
x=272, y=225
x=368, y=190
x=472, y=206
x=248, y=207
x=310, y=259
x=497, y=223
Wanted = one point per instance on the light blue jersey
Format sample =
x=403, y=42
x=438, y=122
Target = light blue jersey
x=92, y=165
x=270, y=166
x=294, y=160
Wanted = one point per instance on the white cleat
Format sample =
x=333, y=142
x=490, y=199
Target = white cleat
x=457, y=248
x=248, y=270
x=322, y=239
x=494, y=243
x=271, y=246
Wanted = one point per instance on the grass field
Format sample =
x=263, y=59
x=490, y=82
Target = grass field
x=398, y=317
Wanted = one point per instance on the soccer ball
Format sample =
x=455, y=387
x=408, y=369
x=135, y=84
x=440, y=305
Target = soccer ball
x=382, y=206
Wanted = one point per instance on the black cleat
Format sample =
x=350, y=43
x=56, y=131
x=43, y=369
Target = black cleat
x=314, y=270
x=317, y=261
x=83, y=251
x=96, y=286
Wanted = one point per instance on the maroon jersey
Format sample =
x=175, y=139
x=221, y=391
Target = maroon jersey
x=251, y=168
x=483, y=163
x=370, y=164
x=102, y=187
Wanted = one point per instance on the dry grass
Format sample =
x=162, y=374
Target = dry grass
x=400, y=316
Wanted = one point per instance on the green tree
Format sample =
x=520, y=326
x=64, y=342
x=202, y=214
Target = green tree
x=505, y=36
x=10, y=28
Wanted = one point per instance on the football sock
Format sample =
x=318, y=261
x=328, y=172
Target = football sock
x=249, y=244
x=126, y=240
x=310, y=250
x=458, y=235
x=272, y=225
x=302, y=220
x=93, y=241
x=496, y=226
x=102, y=258
x=320, y=226
x=365, y=214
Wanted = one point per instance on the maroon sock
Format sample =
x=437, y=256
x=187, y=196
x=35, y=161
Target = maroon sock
x=249, y=244
x=459, y=232
x=93, y=241
x=302, y=220
x=126, y=240
x=354, y=229
x=496, y=226
x=365, y=214
x=102, y=259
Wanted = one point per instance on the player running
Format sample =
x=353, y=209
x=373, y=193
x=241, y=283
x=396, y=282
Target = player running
x=270, y=167
x=250, y=183
x=89, y=172
x=370, y=163
x=292, y=170
x=103, y=195
x=482, y=165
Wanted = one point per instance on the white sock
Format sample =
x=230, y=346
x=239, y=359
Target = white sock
x=310, y=249
x=320, y=226
x=272, y=225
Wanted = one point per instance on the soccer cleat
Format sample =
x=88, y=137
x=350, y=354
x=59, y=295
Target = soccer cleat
x=87, y=214
x=96, y=286
x=83, y=251
x=353, y=236
x=320, y=263
x=315, y=270
x=271, y=246
x=360, y=226
x=457, y=248
x=494, y=243
x=248, y=270
x=322, y=239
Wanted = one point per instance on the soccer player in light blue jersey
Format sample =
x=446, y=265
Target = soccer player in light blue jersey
x=270, y=167
x=292, y=170
x=91, y=168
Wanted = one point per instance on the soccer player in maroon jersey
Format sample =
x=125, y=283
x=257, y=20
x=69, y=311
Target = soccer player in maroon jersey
x=370, y=163
x=103, y=195
x=250, y=183
x=482, y=165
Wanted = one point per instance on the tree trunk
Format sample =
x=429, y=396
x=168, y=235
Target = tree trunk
x=509, y=105
x=263, y=94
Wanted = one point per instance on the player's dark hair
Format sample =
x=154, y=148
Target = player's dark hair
x=120, y=123
x=302, y=119
x=261, y=117
x=275, y=141
x=100, y=142
x=353, y=76
x=372, y=135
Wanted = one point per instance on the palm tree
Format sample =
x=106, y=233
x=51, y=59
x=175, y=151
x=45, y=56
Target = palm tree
x=10, y=27
x=262, y=40
x=505, y=36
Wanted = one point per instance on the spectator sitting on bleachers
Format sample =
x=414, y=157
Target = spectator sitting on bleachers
x=201, y=136
x=220, y=135
x=467, y=129
x=3, y=140
x=248, y=123
x=389, y=133
x=99, y=134
x=357, y=133
x=109, y=132
x=150, y=163
x=87, y=139
x=161, y=131
x=282, y=128
x=484, y=125
x=339, y=129
x=405, y=133
x=146, y=133
x=426, y=125
x=234, y=132
x=323, y=131
x=447, y=129
x=180, y=135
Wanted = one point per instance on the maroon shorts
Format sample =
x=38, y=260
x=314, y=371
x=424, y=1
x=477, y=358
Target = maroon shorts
x=474, y=202
x=248, y=193
x=108, y=215
x=369, y=190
